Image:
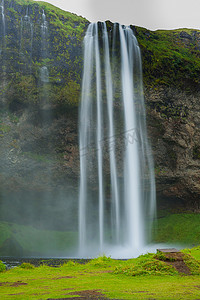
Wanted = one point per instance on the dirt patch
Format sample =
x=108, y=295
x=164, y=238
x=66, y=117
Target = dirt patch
x=85, y=295
x=63, y=277
x=104, y=271
x=175, y=259
x=91, y=294
x=98, y=272
x=5, y=283
x=18, y=283
x=16, y=294
x=181, y=267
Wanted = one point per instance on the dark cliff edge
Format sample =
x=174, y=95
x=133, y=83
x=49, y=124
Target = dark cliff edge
x=39, y=156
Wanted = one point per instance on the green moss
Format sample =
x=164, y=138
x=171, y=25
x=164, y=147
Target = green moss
x=63, y=58
x=168, y=58
x=68, y=95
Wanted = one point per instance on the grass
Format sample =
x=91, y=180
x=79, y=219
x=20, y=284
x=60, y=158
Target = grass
x=145, y=265
x=102, y=275
x=195, y=252
x=166, y=51
x=178, y=228
x=37, y=241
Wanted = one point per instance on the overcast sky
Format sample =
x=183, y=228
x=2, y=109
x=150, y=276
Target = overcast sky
x=151, y=14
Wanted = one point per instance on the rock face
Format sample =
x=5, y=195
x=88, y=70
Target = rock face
x=173, y=123
x=39, y=156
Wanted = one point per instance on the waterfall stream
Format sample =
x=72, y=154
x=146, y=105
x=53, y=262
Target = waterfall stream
x=44, y=72
x=117, y=185
x=2, y=54
x=3, y=25
x=26, y=41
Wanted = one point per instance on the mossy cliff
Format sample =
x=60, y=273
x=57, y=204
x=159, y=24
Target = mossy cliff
x=171, y=68
x=39, y=154
x=22, y=56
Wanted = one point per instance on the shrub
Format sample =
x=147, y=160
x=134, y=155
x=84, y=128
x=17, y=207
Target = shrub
x=2, y=266
x=27, y=266
x=145, y=266
x=70, y=263
x=192, y=263
x=163, y=257
x=101, y=261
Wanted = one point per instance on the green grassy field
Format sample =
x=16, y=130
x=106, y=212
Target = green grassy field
x=183, y=229
x=33, y=241
x=178, y=229
x=145, y=277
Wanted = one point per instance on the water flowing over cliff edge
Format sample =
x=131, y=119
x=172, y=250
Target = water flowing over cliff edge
x=39, y=155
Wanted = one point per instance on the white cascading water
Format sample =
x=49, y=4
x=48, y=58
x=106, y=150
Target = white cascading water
x=44, y=72
x=28, y=23
x=113, y=170
x=2, y=27
x=26, y=40
x=117, y=185
x=3, y=18
x=2, y=52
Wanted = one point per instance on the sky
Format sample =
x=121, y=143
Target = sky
x=151, y=14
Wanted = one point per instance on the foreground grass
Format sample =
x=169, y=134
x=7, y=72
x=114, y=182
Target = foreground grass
x=195, y=252
x=144, y=280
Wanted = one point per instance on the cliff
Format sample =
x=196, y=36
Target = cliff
x=40, y=79
x=171, y=66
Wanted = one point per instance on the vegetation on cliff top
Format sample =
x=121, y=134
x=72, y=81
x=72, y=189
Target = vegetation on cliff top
x=170, y=57
x=22, y=57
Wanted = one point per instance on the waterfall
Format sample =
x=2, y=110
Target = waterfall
x=29, y=24
x=3, y=26
x=44, y=72
x=26, y=41
x=2, y=55
x=117, y=185
x=3, y=18
x=113, y=171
